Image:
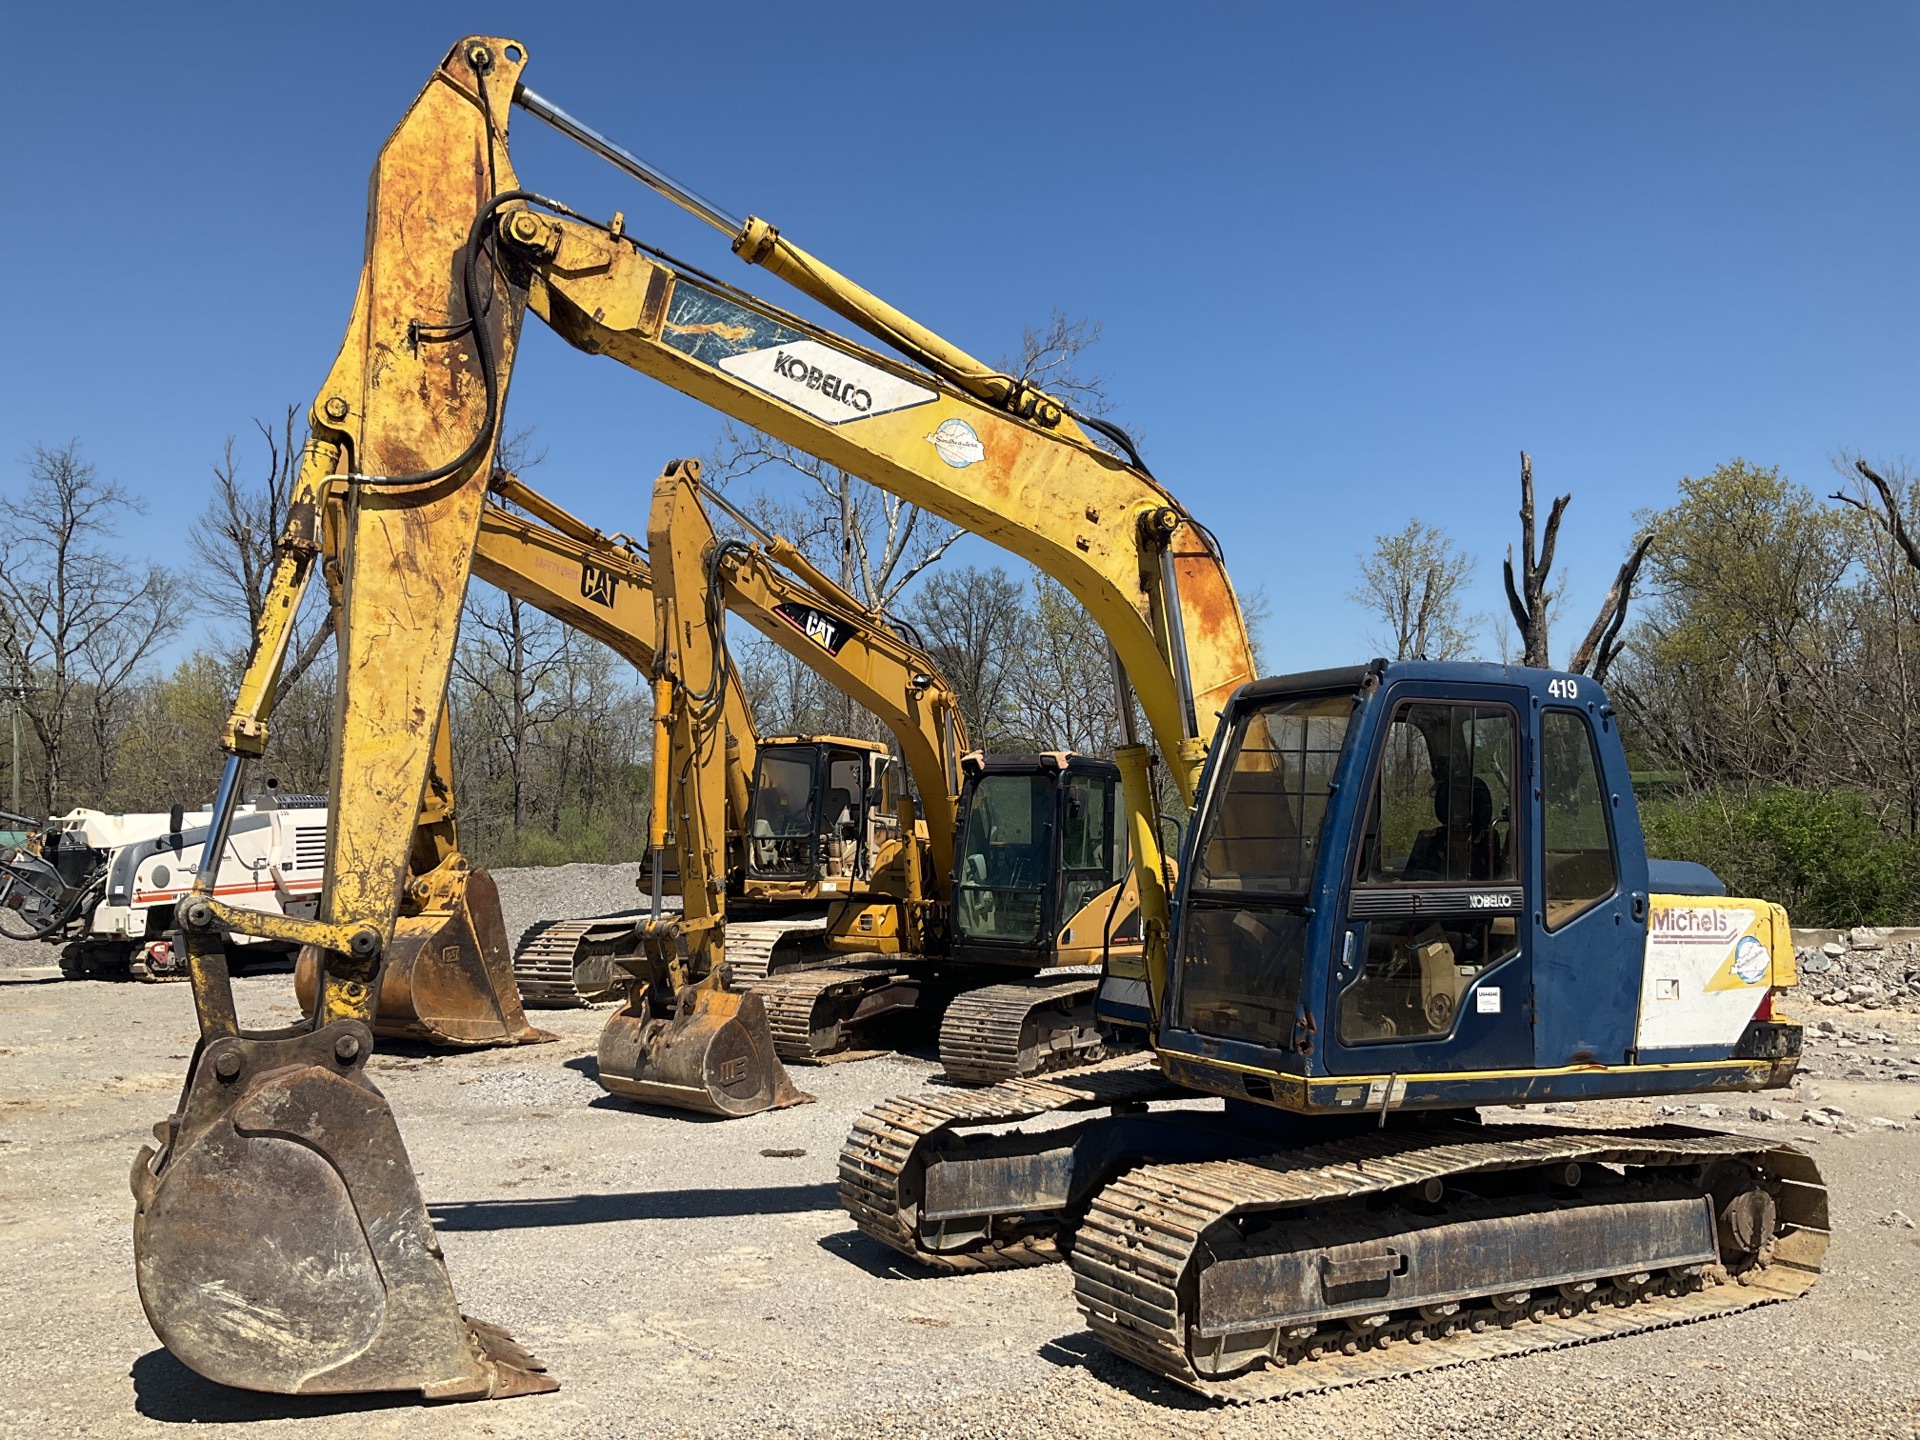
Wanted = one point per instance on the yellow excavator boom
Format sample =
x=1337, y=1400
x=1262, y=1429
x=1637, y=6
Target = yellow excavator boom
x=283, y=1138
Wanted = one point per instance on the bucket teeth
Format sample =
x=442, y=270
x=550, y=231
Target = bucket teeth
x=513, y=1369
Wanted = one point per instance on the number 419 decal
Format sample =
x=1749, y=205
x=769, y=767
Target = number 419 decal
x=1564, y=689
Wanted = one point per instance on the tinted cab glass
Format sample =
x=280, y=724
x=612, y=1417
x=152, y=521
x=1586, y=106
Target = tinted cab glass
x=1244, y=916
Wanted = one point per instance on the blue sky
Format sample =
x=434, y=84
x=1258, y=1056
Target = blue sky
x=1349, y=259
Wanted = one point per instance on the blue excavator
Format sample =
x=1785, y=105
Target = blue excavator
x=1412, y=895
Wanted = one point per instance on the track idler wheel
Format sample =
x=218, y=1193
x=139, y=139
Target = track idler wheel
x=714, y=1056
x=280, y=1242
x=447, y=979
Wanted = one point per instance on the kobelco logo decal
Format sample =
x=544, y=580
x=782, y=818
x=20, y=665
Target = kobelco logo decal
x=826, y=383
x=1501, y=901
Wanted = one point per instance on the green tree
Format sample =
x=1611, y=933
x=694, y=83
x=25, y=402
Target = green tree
x=1734, y=673
x=1823, y=856
x=1413, y=582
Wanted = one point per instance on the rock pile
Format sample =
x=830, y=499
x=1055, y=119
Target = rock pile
x=1864, y=968
x=1840, y=1052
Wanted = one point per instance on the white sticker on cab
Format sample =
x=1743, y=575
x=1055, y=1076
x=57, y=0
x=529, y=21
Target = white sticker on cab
x=1486, y=1000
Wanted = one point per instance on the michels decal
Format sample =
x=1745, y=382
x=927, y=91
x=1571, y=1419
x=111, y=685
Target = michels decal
x=1699, y=979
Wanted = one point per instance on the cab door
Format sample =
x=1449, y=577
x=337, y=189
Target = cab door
x=843, y=801
x=1591, y=924
x=1431, y=970
x=883, y=809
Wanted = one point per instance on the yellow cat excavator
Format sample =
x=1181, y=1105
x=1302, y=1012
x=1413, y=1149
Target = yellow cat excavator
x=818, y=822
x=602, y=586
x=1409, y=891
x=982, y=966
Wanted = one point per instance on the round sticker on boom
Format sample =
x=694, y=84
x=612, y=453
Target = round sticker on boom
x=1750, y=960
x=958, y=445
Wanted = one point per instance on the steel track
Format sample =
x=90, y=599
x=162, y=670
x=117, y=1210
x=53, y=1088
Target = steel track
x=998, y=1032
x=882, y=1159
x=1137, y=1255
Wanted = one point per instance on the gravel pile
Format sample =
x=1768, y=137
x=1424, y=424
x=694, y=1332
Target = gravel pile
x=1862, y=969
x=565, y=892
x=17, y=955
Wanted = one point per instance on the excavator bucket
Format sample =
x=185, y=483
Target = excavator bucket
x=448, y=978
x=280, y=1241
x=714, y=1056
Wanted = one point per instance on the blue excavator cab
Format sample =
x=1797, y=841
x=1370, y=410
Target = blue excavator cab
x=1423, y=885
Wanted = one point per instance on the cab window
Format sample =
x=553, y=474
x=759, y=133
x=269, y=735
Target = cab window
x=1575, y=830
x=1088, y=855
x=781, y=823
x=1006, y=852
x=1263, y=833
x=1441, y=814
x=1244, y=918
x=1443, y=802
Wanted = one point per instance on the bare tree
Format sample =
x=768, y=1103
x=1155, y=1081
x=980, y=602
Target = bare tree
x=1887, y=516
x=1062, y=686
x=83, y=620
x=1533, y=601
x=1413, y=582
x=1530, y=601
x=787, y=696
x=874, y=544
x=1603, y=645
x=510, y=661
x=236, y=536
x=1050, y=359
x=973, y=622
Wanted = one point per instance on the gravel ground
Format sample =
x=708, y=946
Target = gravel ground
x=680, y=1282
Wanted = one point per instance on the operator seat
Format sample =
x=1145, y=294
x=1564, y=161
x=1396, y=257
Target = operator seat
x=1476, y=840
